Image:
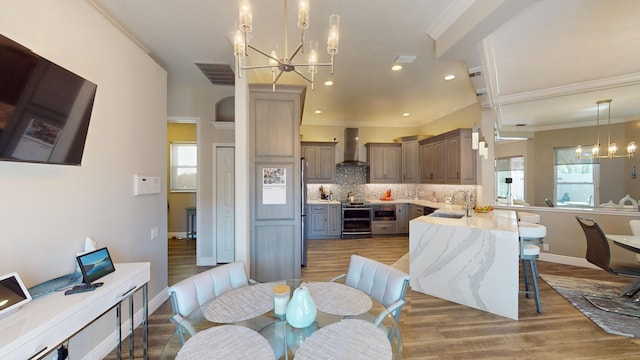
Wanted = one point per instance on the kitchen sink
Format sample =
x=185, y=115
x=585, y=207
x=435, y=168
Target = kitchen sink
x=447, y=215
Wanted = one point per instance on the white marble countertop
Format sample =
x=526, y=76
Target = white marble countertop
x=318, y=202
x=500, y=220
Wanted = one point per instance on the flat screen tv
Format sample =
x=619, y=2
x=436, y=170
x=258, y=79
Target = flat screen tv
x=44, y=108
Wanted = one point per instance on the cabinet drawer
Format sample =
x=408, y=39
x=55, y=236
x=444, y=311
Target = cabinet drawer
x=384, y=227
x=319, y=209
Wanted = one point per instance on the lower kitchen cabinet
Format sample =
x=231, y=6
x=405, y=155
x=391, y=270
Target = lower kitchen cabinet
x=402, y=218
x=384, y=227
x=325, y=221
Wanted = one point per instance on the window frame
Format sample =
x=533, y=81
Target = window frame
x=174, y=147
x=571, y=160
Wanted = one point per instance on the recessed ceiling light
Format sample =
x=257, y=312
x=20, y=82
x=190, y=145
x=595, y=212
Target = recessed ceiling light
x=328, y=83
x=406, y=114
x=396, y=67
x=318, y=111
x=449, y=77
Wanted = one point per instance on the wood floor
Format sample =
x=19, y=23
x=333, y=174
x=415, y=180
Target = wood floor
x=432, y=328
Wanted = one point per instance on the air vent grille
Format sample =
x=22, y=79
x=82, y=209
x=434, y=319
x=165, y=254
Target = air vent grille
x=218, y=74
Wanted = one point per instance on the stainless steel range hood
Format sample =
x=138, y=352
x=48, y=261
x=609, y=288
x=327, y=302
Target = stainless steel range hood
x=351, y=148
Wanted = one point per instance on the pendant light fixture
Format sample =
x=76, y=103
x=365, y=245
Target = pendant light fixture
x=612, y=148
x=279, y=65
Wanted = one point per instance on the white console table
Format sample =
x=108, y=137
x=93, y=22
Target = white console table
x=41, y=325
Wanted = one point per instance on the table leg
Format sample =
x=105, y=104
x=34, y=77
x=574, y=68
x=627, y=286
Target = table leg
x=118, y=330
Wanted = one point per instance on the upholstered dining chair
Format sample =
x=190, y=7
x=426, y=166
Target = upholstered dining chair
x=189, y=294
x=599, y=253
x=384, y=283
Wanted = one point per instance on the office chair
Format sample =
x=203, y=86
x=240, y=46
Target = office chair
x=599, y=254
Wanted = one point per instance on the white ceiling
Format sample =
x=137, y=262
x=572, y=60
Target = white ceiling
x=543, y=60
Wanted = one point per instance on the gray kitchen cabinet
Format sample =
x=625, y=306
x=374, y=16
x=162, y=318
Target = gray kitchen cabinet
x=321, y=160
x=385, y=163
x=402, y=218
x=276, y=227
x=318, y=221
x=410, y=161
x=325, y=221
x=335, y=220
x=383, y=227
x=432, y=162
x=448, y=159
x=415, y=211
x=461, y=159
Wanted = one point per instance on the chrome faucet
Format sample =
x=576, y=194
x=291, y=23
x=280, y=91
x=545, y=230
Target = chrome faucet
x=453, y=198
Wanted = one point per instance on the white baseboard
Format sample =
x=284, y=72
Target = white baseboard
x=107, y=345
x=567, y=260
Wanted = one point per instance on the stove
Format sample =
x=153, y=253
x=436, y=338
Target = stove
x=356, y=220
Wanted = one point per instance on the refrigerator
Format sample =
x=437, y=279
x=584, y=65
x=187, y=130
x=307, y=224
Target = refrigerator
x=303, y=205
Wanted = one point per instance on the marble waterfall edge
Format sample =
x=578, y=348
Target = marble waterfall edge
x=466, y=261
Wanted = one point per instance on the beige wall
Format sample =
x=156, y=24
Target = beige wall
x=466, y=117
x=48, y=210
x=178, y=201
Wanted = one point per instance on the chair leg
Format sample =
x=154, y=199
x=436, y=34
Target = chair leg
x=525, y=277
x=534, y=273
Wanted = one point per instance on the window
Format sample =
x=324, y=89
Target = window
x=576, y=180
x=510, y=168
x=184, y=166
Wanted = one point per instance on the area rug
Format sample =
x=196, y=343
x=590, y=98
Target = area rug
x=574, y=290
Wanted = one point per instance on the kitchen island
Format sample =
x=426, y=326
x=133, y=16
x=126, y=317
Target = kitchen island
x=471, y=261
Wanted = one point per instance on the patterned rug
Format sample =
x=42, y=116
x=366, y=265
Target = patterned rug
x=623, y=317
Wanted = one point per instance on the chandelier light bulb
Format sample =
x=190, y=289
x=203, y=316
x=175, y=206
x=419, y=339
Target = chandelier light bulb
x=334, y=34
x=303, y=14
x=579, y=151
x=595, y=150
x=313, y=56
x=612, y=149
x=631, y=148
x=246, y=18
x=238, y=43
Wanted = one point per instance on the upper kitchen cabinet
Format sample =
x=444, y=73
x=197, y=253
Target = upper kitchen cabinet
x=448, y=158
x=385, y=163
x=321, y=160
x=409, y=159
x=432, y=161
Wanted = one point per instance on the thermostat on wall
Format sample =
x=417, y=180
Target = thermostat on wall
x=146, y=185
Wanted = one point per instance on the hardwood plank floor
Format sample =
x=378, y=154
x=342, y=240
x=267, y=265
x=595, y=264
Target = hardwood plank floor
x=432, y=328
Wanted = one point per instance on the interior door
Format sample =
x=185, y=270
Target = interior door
x=225, y=204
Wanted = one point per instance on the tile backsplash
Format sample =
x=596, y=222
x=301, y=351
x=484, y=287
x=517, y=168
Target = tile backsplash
x=354, y=179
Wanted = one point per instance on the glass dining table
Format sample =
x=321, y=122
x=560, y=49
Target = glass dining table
x=241, y=324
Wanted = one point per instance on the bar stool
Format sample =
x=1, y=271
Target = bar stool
x=529, y=234
x=528, y=217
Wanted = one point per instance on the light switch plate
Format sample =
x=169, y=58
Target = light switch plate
x=146, y=185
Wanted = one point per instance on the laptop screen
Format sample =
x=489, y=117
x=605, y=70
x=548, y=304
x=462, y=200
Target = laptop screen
x=95, y=265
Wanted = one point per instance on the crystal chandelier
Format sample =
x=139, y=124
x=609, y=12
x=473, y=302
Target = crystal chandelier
x=611, y=147
x=280, y=65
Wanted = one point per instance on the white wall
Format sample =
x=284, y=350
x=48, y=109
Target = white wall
x=47, y=210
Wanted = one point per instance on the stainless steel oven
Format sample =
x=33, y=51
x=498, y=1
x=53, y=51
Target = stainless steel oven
x=356, y=220
x=384, y=212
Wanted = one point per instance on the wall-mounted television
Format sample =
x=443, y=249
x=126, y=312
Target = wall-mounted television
x=44, y=108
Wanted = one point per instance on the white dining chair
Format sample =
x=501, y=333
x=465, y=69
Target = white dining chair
x=191, y=293
x=384, y=283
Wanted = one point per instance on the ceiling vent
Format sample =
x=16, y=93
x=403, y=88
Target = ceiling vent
x=218, y=74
